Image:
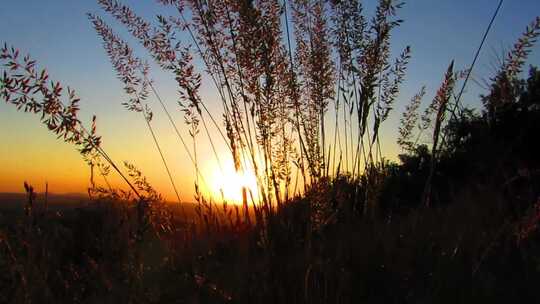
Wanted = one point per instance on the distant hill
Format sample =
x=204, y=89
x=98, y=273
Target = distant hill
x=62, y=201
x=67, y=200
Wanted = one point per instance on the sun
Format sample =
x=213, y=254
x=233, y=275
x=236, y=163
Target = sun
x=227, y=184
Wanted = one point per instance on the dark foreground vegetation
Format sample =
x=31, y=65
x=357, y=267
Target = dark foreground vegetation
x=456, y=220
x=478, y=242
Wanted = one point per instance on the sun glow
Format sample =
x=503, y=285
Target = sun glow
x=227, y=184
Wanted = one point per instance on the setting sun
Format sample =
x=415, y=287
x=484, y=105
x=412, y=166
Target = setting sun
x=226, y=183
x=269, y=151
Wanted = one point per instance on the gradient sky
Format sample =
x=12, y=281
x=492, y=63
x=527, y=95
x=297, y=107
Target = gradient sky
x=58, y=35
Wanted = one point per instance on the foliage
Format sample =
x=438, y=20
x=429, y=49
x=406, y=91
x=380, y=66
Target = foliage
x=457, y=220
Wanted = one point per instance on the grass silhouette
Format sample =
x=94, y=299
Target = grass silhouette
x=333, y=221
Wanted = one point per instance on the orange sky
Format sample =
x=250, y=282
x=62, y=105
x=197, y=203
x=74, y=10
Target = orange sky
x=31, y=153
x=60, y=38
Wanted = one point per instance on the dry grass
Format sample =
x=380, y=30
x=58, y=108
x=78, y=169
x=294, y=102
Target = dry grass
x=319, y=231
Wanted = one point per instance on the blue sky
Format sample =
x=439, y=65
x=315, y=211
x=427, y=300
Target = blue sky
x=58, y=34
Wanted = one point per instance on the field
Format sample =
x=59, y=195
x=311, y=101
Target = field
x=310, y=211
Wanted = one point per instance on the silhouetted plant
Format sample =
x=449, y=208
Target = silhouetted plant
x=502, y=87
x=348, y=229
x=31, y=90
x=409, y=123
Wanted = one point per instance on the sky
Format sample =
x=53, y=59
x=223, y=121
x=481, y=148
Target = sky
x=59, y=36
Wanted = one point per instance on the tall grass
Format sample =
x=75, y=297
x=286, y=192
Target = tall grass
x=304, y=87
x=275, y=95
